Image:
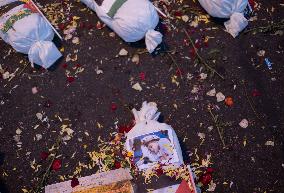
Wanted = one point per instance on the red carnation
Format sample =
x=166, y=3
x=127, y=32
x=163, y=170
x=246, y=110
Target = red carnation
x=74, y=182
x=44, y=155
x=56, y=165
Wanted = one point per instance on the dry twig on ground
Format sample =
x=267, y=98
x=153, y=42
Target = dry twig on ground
x=251, y=105
x=200, y=58
x=219, y=125
x=265, y=29
x=48, y=170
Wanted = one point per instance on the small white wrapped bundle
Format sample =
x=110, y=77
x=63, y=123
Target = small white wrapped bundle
x=28, y=33
x=152, y=142
x=132, y=20
x=231, y=9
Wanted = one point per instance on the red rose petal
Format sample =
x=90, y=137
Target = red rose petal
x=82, y=25
x=178, y=14
x=64, y=65
x=74, y=182
x=56, y=165
x=44, y=155
x=255, y=93
x=206, y=44
x=78, y=65
x=178, y=72
x=205, y=179
x=61, y=26
x=142, y=75
x=197, y=45
x=125, y=128
x=117, y=165
x=70, y=79
x=159, y=171
x=209, y=170
x=90, y=26
x=113, y=106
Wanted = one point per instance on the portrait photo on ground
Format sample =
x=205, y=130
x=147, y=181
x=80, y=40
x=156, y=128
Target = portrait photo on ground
x=154, y=147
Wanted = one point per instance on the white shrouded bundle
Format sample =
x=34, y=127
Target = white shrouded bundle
x=152, y=142
x=232, y=9
x=132, y=20
x=28, y=33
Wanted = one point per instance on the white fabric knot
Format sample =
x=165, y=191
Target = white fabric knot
x=148, y=111
x=152, y=39
x=236, y=24
x=43, y=53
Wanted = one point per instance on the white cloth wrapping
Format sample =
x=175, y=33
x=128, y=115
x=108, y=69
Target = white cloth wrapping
x=134, y=20
x=146, y=123
x=33, y=36
x=232, y=9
